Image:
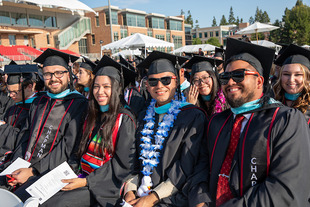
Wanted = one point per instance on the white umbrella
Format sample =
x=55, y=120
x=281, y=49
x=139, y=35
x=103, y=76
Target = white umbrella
x=194, y=48
x=267, y=43
x=256, y=28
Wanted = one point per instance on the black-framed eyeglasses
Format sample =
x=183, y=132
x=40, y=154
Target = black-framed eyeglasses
x=204, y=79
x=236, y=75
x=164, y=80
x=57, y=74
x=14, y=93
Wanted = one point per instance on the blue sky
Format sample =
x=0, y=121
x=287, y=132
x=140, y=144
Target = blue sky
x=203, y=10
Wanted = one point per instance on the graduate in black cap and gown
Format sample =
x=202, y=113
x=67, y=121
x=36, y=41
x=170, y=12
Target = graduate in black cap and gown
x=169, y=137
x=258, y=151
x=220, y=55
x=293, y=85
x=20, y=87
x=107, y=151
x=85, y=76
x=54, y=123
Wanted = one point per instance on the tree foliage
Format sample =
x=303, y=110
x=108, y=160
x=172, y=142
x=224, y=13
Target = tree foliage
x=223, y=20
x=196, y=24
x=214, y=41
x=196, y=41
x=214, y=24
x=188, y=19
x=231, y=19
x=251, y=20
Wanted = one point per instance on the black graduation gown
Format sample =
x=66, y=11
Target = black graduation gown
x=5, y=103
x=180, y=152
x=51, y=131
x=270, y=167
x=136, y=101
x=105, y=183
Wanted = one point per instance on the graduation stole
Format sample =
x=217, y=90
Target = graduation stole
x=150, y=152
x=45, y=127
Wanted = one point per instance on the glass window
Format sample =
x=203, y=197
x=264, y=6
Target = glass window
x=134, y=20
x=160, y=37
x=211, y=34
x=19, y=19
x=217, y=33
x=158, y=23
x=93, y=40
x=5, y=17
x=168, y=37
x=175, y=25
x=150, y=33
x=177, y=40
x=115, y=38
x=48, y=39
x=200, y=35
x=50, y=21
x=124, y=33
x=83, y=46
x=206, y=34
x=194, y=35
x=114, y=17
x=97, y=21
x=12, y=39
x=35, y=20
x=225, y=33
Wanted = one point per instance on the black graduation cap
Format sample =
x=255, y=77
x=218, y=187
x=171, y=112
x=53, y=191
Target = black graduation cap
x=219, y=52
x=109, y=67
x=126, y=63
x=261, y=58
x=201, y=63
x=160, y=62
x=52, y=57
x=283, y=47
x=18, y=73
x=140, y=59
x=12, y=62
x=294, y=54
x=87, y=64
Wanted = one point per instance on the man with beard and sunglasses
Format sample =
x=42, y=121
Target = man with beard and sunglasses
x=256, y=153
x=169, y=135
x=53, y=126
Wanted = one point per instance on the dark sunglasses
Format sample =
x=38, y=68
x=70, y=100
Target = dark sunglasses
x=237, y=76
x=164, y=80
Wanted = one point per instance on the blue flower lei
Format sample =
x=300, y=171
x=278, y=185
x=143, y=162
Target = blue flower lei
x=149, y=153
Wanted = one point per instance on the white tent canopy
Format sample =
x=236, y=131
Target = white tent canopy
x=127, y=53
x=194, y=48
x=267, y=43
x=73, y=5
x=137, y=41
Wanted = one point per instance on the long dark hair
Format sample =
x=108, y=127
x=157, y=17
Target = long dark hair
x=106, y=120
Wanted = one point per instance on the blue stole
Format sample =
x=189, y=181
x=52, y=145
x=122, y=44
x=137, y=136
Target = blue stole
x=206, y=98
x=62, y=94
x=164, y=108
x=292, y=97
x=249, y=106
x=86, y=89
x=104, y=108
x=29, y=100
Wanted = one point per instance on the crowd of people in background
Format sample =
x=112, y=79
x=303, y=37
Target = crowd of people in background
x=227, y=129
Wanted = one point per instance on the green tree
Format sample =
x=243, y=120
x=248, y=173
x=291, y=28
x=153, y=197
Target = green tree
x=189, y=18
x=275, y=35
x=196, y=24
x=214, y=24
x=251, y=20
x=241, y=20
x=182, y=12
x=196, y=41
x=223, y=20
x=213, y=41
x=265, y=17
x=231, y=19
x=237, y=21
x=258, y=15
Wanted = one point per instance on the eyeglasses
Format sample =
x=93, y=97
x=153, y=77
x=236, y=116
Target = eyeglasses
x=237, y=76
x=204, y=79
x=57, y=74
x=164, y=80
x=14, y=93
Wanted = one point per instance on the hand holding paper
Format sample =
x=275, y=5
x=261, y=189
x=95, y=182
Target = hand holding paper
x=74, y=183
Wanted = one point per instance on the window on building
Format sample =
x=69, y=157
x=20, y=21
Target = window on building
x=134, y=20
x=217, y=33
x=177, y=40
x=124, y=33
x=50, y=21
x=48, y=39
x=174, y=25
x=5, y=17
x=160, y=37
x=35, y=20
x=93, y=39
x=194, y=35
x=168, y=37
x=157, y=23
x=225, y=33
x=12, y=39
x=115, y=36
x=200, y=35
x=26, y=40
x=150, y=33
x=97, y=21
x=19, y=19
x=206, y=34
x=211, y=34
x=113, y=15
x=83, y=46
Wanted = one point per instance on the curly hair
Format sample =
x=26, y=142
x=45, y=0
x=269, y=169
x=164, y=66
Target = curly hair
x=303, y=101
x=79, y=87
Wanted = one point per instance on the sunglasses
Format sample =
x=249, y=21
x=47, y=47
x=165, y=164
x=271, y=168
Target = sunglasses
x=164, y=80
x=237, y=76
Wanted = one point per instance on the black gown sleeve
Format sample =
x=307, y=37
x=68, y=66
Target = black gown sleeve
x=105, y=183
x=288, y=183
